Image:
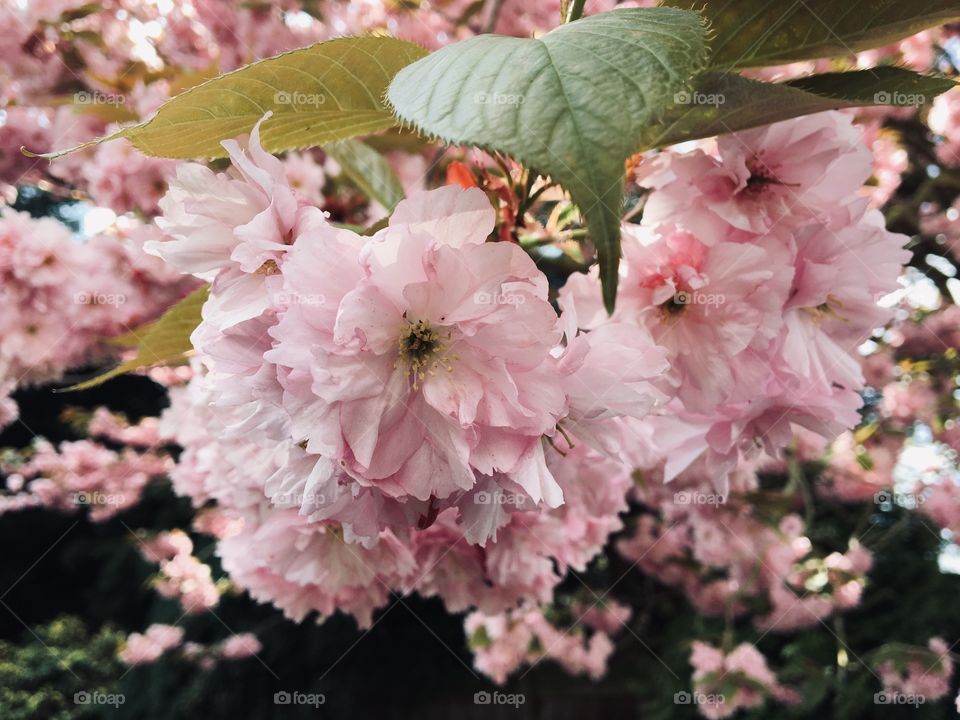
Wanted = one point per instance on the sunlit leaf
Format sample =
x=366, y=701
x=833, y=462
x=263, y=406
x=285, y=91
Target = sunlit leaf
x=166, y=340
x=328, y=91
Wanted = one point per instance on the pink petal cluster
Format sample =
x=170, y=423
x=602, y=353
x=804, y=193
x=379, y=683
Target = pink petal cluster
x=916, y=671
x=759, y=268
x=182, y=576
x=115, y=428
x=233, y=229
x=944, y=120
x=122, y=178
x=81, y=474
x=237, y=647
x=407, y=412
x=729, y=560
x=143, y=648
x=305, y=566
x=504, y=643
x=941, y=502
x=407, y=373
x=890, y=161
x=9, y=410
x=743, y=670
x=858, y=471
x=63, y=296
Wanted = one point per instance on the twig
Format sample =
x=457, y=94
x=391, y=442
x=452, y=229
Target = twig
x=491, y=11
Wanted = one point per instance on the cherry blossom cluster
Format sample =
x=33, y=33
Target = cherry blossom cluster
x=730, y=560
x=63, y=297
x=142, y=648
x=916, y=673
x=159, y=639
x=73, y=71
x=758, y=266
x=726, y=682
x=417, y=409
x=505, y=642
x=79, y=475
x=181, y=576
x=407, y=412
x=303, y=566
x=408, y=373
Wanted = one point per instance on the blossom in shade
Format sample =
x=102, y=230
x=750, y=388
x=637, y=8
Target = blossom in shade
x=143, y=648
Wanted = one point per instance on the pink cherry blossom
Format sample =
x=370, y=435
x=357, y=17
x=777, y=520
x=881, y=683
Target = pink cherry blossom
x=232, y=229
x=147, y=647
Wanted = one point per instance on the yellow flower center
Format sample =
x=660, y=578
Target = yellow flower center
x=421, y=349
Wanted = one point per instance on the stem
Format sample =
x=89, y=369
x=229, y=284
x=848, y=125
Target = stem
x=576, y=10
x=798, y=481
x=635, y=210
x=843, y=660
x=491, y=13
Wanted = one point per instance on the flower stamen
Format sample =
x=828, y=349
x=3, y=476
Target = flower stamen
x=421, y=349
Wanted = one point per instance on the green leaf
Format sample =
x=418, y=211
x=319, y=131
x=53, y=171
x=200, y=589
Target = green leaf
x=165, y=340
x=328, y=91
x=368, y=169
x=722, y=103
x=571, y=104
x=754, y=33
